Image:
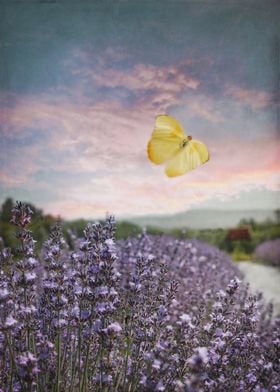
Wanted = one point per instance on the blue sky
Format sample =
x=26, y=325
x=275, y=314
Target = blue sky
x=81, y=84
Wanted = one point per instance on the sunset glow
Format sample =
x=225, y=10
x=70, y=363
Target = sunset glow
x=75, y=124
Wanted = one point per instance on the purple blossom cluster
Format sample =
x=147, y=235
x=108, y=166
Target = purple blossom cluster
x=269, y=251
x=151, y=313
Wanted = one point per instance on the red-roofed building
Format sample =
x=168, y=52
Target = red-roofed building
x=239, y=233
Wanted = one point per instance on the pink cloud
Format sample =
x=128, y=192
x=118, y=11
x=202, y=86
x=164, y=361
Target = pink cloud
x=254, y=98
x=9, y=181
x=142, y=77
x=201, y=105
x=19, y=165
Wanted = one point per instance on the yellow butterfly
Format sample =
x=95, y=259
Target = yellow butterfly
x=169, y=144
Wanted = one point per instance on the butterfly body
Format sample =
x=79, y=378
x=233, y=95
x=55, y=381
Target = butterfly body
x=169, y=144
x=186, y=141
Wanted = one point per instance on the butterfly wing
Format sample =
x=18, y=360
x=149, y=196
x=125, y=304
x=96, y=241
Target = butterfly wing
x=187, y=159
x=165, y=140
x=166, y=124
x=201, y=150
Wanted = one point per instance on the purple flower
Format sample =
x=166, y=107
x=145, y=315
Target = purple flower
x=21, y=215
x=10, y=322
x=156, y=364
x=4, y=294
x=269, y=251
x=113, y=329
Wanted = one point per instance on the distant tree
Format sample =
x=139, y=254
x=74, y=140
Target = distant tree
x=39, y=226
x=248, y=222
x=126, y=229
x=277, y=214
x=6, y=214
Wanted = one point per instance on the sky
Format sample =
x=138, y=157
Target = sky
x=82, y=82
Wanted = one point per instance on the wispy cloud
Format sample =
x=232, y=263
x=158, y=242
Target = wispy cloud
x=146, y=77
x=202, y=106
x=255, y=99
x=141, y=83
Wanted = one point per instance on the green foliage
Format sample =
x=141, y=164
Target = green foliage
x=248, y=222
x=77, y=227
x=7, y=232
x=126, y=229
x=41, y=225
x=240, y=256
x=123, y=229
x=241, y=249
x=6, y=210
x=154, y=230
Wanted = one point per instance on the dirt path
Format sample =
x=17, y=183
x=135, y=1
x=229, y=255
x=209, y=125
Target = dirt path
x=263, y=278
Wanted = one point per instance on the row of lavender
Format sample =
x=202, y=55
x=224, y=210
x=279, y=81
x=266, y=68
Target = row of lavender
x=269, y=252
x=143, y=314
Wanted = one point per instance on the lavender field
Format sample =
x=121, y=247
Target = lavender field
x=150, y=313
